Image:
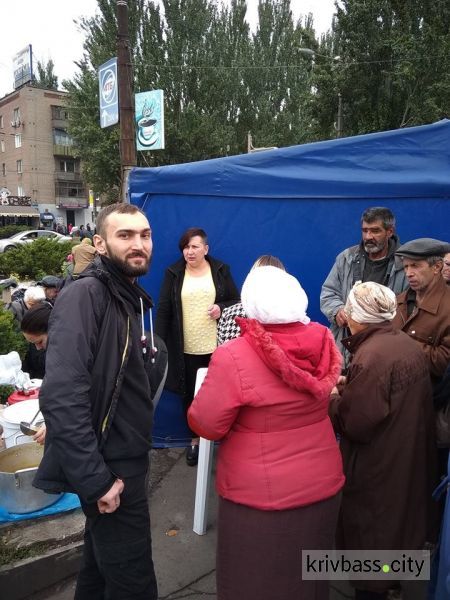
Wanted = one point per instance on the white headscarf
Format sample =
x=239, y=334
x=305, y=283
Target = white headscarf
x=371, y=302
x=272, y=296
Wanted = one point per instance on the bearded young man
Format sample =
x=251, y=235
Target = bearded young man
x=96, y=398
x=373, y=259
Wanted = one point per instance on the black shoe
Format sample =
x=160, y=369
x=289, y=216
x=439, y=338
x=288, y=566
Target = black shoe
x=192, y=455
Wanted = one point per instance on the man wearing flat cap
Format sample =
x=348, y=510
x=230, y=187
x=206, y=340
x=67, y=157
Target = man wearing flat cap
x=424, y=307
x=51, y=285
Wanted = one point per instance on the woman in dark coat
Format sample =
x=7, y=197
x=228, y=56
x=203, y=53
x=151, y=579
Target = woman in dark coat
x=384, y=415
x=194, y=292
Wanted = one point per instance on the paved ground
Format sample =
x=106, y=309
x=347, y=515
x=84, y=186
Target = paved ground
x=184, y=561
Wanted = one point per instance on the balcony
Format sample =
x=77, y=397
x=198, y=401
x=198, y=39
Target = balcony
x=67, y=176
x=71, y=202
x=60, y=150
x=59, y=123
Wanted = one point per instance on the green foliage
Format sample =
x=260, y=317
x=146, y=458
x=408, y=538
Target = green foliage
x=220, y=81
x=5, y=392
x=394, y=66
x=8, y=230
x=40, y=257
x=46, y=77
x=10, y=337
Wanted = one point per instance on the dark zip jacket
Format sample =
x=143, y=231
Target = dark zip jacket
x=169, y=317
x=89, y=344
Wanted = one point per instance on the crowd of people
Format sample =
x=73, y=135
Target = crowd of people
x=327, y=435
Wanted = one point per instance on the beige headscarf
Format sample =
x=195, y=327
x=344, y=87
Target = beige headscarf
x=371, y=302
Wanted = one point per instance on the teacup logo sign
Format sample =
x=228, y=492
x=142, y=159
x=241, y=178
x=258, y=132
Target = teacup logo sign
x=147, y=134
x=107, y=87
x=149, y=111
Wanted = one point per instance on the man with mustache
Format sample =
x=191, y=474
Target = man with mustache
x=373, y=259
x=96, y=398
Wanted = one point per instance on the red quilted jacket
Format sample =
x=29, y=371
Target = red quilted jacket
x=266, y=397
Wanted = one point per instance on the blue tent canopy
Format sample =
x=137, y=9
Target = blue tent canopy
x=302, y=203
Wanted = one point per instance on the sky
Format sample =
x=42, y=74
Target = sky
x=48, y=25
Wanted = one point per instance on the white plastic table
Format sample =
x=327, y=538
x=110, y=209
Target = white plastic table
x=205, y=455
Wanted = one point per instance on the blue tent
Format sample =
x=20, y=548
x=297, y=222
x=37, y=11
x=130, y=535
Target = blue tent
x=302, y=204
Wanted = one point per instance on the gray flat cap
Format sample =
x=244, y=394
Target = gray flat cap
x=423, y=247
x=50, y=281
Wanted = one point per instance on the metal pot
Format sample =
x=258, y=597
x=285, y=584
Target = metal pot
x=18, y=466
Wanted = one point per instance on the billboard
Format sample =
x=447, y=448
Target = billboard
x=149, y=115
x=108, y=93
x=23, y=67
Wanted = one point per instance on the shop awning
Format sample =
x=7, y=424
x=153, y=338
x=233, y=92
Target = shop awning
x=47, y=216
x=18, y=211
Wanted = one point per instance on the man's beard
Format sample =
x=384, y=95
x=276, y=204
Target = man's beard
x=125, y=268
x=374, y=247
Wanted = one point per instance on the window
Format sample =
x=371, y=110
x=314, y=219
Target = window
x=67, y=166
x=16, y=117
x=62, y=138
x=2, y=145
x=59, y=112
x=18, y=140
x=1, y=122
x=20, y=190
x=4, y=169
x=19, y=166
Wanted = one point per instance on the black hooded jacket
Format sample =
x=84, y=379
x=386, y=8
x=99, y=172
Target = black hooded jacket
x=93, y=332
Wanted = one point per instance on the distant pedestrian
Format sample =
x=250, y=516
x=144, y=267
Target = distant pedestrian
x=51, y=285
x=88, y=232
x=83, y=254
x=32, y=296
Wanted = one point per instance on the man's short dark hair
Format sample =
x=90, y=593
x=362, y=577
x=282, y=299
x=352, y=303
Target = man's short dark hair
x=123, y=208
x=35, y=320
x=189, y=234
x=379, y=213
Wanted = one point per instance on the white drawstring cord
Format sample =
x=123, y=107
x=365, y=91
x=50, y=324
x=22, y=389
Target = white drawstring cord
x=152, y=338
x=143, y=336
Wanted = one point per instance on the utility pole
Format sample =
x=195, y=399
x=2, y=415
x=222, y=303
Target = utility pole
x=126, y=109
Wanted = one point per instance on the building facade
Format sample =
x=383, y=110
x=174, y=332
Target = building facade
x=37, y=157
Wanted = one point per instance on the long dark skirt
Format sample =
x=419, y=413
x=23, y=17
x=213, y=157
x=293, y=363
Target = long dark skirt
x=259, y=553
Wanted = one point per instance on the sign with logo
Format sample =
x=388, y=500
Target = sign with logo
x=149, y=115
x=108, y=93
x=23, y=67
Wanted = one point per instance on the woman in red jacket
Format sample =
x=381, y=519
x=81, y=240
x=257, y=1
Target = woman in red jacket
x=279, y=470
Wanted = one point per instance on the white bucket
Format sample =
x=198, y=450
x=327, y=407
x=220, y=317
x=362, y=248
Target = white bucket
x=12, y=417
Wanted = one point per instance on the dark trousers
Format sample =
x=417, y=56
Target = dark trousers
x=117, y=560
x=193, y=362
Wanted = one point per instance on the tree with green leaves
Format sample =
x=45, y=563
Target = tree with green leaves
x=220, y=81
x=394, y=65
x=46, y=77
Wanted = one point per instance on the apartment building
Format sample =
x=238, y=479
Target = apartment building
x=37, y=160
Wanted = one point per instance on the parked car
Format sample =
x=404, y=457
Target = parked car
x=25, y=237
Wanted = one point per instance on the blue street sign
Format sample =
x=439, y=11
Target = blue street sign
x=108, y=93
